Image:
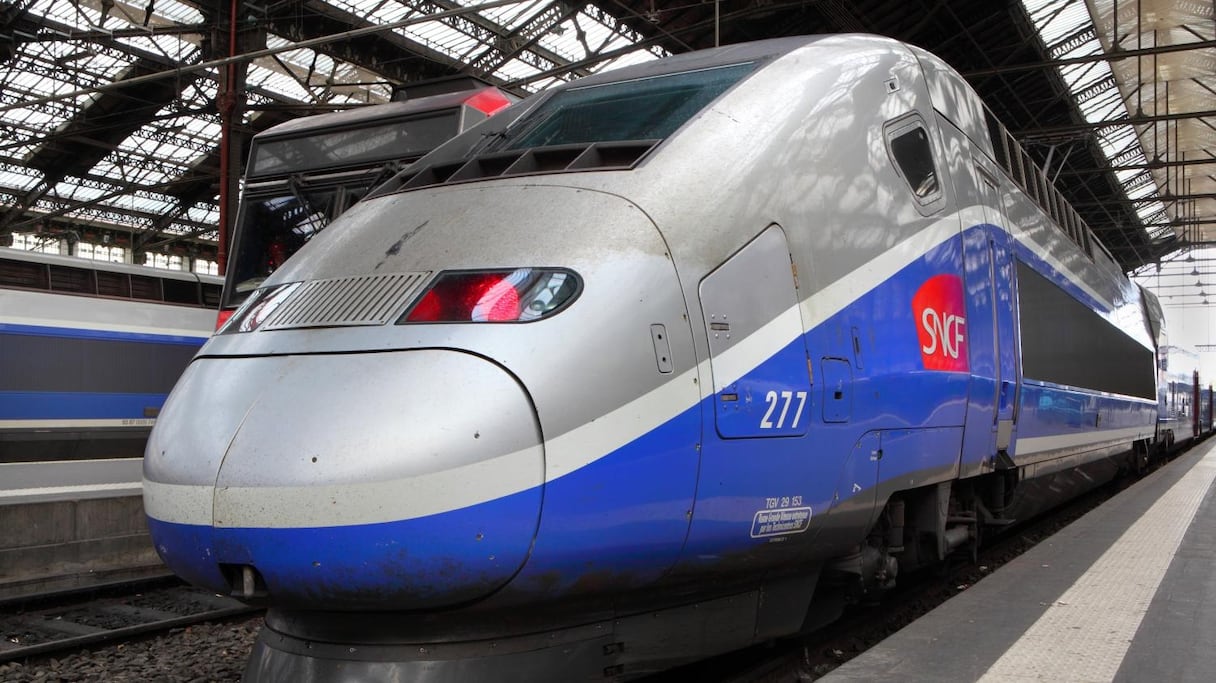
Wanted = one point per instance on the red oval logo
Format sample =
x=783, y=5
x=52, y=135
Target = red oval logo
x=941, y=323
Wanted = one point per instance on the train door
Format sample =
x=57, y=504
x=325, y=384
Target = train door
x=757, y=354
x=1005, y=315
x=991, y=328
x=760, y=481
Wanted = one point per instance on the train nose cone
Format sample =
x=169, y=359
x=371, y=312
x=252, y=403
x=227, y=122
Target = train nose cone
x=399, y=480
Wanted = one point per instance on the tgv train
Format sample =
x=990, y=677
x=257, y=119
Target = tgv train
x=653, y=365
x=1184, y=407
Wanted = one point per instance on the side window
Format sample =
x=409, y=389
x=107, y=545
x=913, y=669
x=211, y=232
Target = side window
x=911, y=152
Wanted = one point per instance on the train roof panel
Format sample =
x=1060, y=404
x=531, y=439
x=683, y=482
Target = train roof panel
x=354, y=117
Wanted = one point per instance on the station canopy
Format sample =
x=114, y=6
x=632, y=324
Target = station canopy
x=110, y=110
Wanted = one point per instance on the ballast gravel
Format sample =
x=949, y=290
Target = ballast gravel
x=202, y=653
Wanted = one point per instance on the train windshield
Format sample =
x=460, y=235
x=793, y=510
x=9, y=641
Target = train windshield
x=371, y=144
x=639, y=109
x=275, y=226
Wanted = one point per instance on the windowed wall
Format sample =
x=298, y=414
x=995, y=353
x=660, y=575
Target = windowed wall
x=39, y=243
x=114, y=254
x=204, y=267
x=101, y=252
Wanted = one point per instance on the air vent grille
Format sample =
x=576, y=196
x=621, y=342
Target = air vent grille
x=599, y=156
x=348, y=301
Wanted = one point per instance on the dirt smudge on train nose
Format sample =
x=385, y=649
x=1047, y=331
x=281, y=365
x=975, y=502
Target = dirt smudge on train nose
x=395, y=247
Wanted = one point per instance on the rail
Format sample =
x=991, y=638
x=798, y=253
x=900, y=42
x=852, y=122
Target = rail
x=63, y=623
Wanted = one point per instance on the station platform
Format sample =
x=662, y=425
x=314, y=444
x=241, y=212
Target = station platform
x=1126, y=593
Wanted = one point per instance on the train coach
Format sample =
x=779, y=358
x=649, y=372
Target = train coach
x=88, y=352
x=1180, y=405
x=650, y=366
x=91, y=349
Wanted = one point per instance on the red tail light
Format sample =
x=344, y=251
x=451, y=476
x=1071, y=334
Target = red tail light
x=225, y=314
x=488, y=101
x=518, y=295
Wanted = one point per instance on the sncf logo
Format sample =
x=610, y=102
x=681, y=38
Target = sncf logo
x=942, y=323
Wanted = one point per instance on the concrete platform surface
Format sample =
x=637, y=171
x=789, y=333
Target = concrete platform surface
x=1126, y=593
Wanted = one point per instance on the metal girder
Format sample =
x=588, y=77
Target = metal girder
x=1148, y=165
x=1103, y=57
x=487, y=32
x=1164, y=198
x=1127, y=121
x=1158, y=226
x=110, y=34
x=383, y=51
x=1098, y=88
x=120, y=218
x=523, y=38
x=8, y=131
x=77, y=206
x=1074, y=40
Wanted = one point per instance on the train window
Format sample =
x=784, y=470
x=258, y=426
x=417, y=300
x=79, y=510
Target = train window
x=1068, y=343
x=181, y=291
x=640, y=109
x=910, y=149
x=145, y=287
x=68, y=279
x=14, y=273
x=113, y=284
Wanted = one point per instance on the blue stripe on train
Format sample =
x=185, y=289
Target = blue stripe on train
x=100, y=335
x=432, y=561
x=59, y=405
x=628, y=534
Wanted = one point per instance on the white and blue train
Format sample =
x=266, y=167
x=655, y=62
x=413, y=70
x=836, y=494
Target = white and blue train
x=653, y=365
x=90, y=351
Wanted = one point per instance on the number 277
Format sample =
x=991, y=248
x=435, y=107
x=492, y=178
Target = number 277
x=785, y=398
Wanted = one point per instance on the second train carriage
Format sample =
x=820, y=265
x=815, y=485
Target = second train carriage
x=712, y=340
x=91, y=349
x=88, y=352
x=304, y=173
x=1178, y=396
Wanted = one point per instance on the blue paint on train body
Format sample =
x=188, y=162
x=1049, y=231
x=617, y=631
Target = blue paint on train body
x=432, y=561
x=100, y=335
x=65, y=405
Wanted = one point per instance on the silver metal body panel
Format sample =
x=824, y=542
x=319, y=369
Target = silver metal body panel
x=40, y=482
x=342, y=438
x=629, y=284
x=119, y=315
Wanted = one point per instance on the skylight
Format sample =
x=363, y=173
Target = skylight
x=1068, y=31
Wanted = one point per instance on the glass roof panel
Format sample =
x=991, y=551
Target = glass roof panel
x=1067, y=29
x=164, y=149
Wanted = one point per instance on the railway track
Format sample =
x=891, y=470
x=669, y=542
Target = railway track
x=47, y=625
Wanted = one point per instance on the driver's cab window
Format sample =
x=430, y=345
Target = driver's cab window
x=912, y=153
